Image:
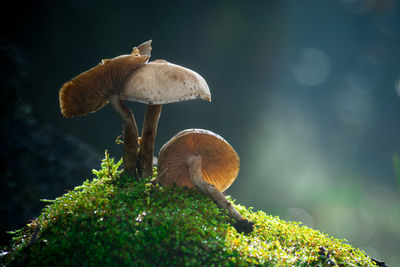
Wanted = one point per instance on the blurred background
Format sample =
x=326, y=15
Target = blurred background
x=307, y=92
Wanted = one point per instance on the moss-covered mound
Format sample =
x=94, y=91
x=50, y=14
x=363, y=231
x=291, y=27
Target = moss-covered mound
x=114, y=222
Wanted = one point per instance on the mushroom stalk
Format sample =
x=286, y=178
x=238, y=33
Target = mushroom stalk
x=194, y=165
x=130, y=133
x=149, y=132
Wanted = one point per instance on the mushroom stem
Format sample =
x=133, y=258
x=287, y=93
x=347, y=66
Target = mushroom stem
x=130, y=133
x=149, y=131
x=194, y=165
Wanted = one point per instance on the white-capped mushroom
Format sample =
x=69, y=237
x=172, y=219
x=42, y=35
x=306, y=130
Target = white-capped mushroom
x=156, y=83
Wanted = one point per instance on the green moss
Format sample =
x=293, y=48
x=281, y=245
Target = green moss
x=113, y=221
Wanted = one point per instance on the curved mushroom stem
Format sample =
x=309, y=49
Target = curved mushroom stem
x=149, y=131
x=130, y=133
x=194, y=165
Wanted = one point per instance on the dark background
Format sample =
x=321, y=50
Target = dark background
x=307, y=92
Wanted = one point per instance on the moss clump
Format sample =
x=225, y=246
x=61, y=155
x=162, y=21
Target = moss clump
x=113, y=222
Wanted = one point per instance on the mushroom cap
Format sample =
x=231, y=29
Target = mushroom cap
x=220, y=162
x=161, y=82
x=92, y=89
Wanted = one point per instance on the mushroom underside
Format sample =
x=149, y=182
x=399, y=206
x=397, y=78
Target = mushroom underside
x=220, y=163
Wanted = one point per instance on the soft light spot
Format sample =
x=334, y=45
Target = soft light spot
x=353, y=103
x=359, y=6
x=397, y=87
x=312, y=67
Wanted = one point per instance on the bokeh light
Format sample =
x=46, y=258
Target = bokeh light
x=312, y=67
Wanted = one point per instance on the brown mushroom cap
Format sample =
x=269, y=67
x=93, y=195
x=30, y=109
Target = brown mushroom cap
x=92, y=89
x=220, y=162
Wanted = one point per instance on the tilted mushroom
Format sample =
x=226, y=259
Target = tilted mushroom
x=156, y=83
x=93, y=89
x=204, y=160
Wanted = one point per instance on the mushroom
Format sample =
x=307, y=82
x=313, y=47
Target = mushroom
x=201, y=159
x=93, y=89
x=130, y=77
x=156, y=83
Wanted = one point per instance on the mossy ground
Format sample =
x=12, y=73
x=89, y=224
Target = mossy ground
x=113, y=221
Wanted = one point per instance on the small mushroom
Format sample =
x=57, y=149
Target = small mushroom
x=93, y=89
x=203, y=160
x=156, y=83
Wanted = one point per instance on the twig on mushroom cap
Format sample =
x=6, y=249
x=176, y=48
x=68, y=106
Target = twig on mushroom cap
x=204, y=160
x=144, y=48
